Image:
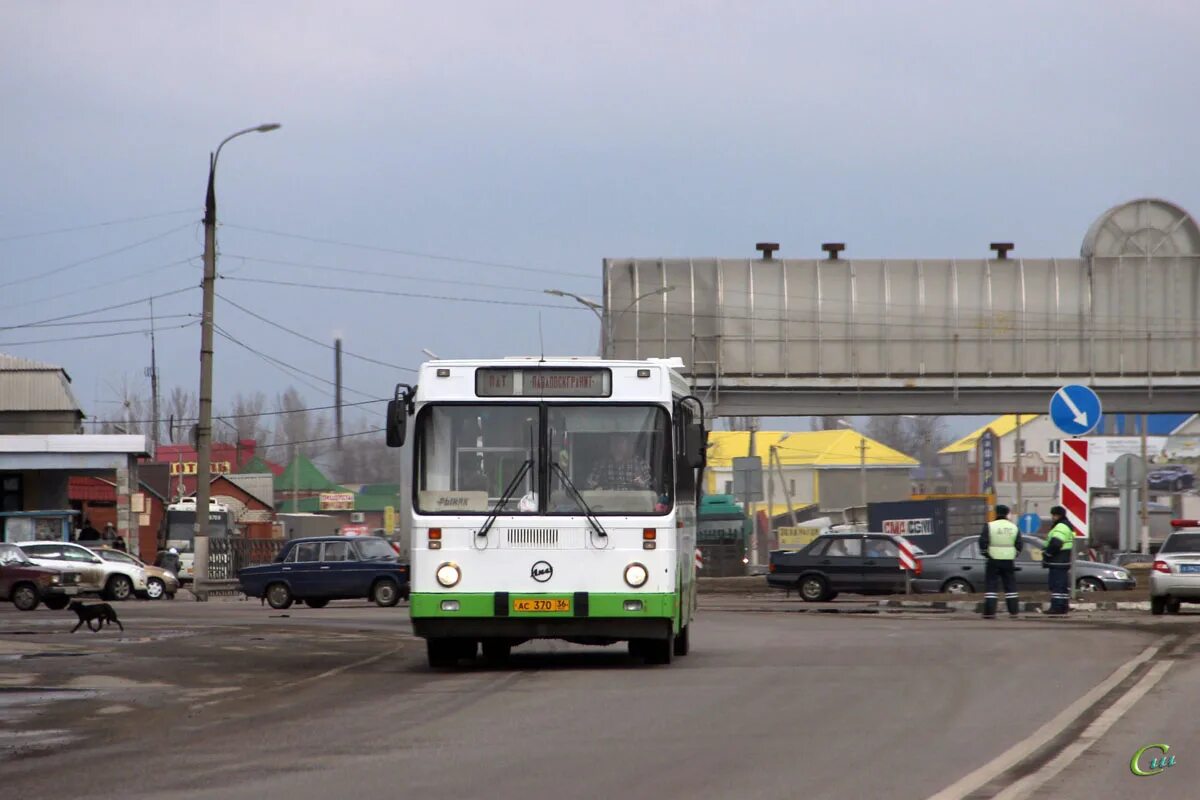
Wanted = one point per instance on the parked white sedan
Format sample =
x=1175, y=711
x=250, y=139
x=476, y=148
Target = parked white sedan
x=1175, y=578
x=114, y=580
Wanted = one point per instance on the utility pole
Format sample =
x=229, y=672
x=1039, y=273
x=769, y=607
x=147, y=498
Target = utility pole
x=862, y=472
x=1144, y=492
x=295, y=478
x=1020, y=447
x=154, y=426
x=204, y=424
x=759, y=544
x=337, y=378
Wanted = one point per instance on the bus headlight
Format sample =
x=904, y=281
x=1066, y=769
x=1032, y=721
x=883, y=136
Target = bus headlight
x=636, y=575
x=448, y=574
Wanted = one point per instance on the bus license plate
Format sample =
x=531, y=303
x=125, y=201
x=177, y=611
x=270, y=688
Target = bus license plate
x=541, y=604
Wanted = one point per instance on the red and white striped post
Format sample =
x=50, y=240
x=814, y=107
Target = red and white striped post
x=1076, y=476
x=908, y=562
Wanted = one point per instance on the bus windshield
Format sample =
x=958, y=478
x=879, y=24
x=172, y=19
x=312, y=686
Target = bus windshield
x=615, y=458
x=468, y=456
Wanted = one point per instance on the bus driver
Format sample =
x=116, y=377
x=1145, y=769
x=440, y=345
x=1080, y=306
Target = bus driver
x=623, y=470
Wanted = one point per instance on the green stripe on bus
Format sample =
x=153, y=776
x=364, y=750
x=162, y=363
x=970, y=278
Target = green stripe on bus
x=599, y=605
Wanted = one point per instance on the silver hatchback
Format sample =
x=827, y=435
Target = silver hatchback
x=1175, y=578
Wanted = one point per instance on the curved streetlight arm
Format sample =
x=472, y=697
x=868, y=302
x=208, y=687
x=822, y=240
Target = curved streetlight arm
x=210, y=201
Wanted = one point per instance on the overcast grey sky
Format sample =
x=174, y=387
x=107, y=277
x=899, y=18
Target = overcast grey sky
x=544, y=136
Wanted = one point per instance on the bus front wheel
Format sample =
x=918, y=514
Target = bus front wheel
x=683, y=641
x=445, y=653
x=653, y=651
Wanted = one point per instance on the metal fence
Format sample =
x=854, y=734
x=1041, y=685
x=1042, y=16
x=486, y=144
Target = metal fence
x=227, y=556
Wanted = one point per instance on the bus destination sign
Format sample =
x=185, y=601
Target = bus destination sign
x=534, y=382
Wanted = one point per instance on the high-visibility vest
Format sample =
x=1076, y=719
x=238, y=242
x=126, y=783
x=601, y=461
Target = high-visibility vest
x=1002, y=540
x=1064, y=534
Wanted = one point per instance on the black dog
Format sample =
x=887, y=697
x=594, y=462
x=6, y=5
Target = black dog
x=101, y=613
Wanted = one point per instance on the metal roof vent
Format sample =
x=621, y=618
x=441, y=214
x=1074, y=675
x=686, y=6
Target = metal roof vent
x=833, y=248
x=767, y=249
x=1001, y=249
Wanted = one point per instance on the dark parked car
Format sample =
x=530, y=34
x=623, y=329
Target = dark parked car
x=27, y=585
x=958, y=569
x=323, y=568
x=862, y=563
x=1171, y=478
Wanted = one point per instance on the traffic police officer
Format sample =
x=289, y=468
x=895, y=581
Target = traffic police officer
x=1000, y=542
x=1057, y=557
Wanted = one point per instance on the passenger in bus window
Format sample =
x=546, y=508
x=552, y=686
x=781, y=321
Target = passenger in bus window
x=623, y=469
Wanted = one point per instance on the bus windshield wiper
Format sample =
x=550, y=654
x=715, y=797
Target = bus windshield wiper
x=509, y=491
x=578, y=498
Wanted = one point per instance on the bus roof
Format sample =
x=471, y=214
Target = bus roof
x=647, y=380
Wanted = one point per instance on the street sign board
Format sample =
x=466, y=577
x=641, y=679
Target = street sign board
x=1029, y=523
x=1128, y=471
x=987, y=462
x=1075, y=409
x=748, y=478
x=908, y=559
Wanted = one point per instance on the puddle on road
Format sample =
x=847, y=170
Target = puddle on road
x=108, y=711
x=21, y=696
x=14, y=743
x=84, y=682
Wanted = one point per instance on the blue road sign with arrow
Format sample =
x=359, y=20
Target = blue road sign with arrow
x=1029, y=523
x=1075, y=409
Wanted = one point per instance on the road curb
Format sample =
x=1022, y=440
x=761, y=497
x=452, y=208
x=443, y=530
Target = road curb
x=900, y=606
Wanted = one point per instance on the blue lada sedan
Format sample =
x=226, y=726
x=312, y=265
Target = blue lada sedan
x=323, y=568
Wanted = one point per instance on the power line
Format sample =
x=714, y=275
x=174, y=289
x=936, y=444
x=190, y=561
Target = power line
x=417, y=295
x=308, y=338
x=95, y=336
x=106, y=223
x=260, y=413
x=98, y=257
x=109, y=321
x=321, y=439
x=89, y=312
x=227, y=335
x=382, y=274
x=411, y=253
x=101, y=285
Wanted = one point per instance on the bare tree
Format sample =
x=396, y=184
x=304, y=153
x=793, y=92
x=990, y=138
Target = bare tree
x=247, y=416
x=183, y=411
x=824, y=423
x=891, y=431
x=929, y=436
x=920, y=437
x=366, y=459
x=296, y=423
x=132, y=414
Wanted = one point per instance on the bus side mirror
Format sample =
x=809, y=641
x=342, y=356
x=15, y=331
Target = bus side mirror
x=397, y=422
x=693, y=445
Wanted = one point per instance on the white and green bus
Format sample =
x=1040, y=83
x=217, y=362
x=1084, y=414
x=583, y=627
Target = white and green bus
x=551, y=498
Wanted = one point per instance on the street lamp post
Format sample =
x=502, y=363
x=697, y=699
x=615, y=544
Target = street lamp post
x=862, y=463
x=204, y=424
x=607, y=321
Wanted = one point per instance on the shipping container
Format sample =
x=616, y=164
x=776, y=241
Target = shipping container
x=723, y=536
x=930, y=524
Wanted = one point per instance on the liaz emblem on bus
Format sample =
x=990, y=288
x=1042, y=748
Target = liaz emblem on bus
x=536, y=382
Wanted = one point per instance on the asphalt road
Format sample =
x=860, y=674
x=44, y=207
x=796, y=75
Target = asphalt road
x=233, y=700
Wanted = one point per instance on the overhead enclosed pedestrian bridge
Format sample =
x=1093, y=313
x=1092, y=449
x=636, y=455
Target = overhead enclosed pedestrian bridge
x=779, y=336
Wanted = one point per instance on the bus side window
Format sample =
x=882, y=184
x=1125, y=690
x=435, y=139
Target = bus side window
x=685, y=476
